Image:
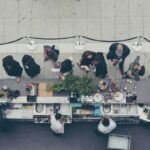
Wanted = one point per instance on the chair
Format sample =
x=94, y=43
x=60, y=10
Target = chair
x=119, y=142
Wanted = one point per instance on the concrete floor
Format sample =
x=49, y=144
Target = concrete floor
x=78, y=136
x=102, y=19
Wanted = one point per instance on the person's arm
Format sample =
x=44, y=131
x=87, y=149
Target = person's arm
x=126, y=51
x=111, y=52
x=112, y=124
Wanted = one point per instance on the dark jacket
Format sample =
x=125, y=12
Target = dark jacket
x=12, y=67
x=31, y=67
x=51, y=52
x=86, y=61
x=101, y=66
x=112, y=51
x=66, y=66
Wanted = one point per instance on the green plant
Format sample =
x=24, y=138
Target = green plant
x=86, y=86
x=58, y=87
x=83, y=85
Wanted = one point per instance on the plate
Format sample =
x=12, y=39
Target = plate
x=118, y=96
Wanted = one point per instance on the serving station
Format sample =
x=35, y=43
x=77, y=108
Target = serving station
x=35, y=103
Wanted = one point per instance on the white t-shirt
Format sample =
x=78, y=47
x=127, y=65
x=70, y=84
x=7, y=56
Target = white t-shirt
x=108, y=129
x=56, y=125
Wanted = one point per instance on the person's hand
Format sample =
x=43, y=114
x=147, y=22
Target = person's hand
x=115, y=62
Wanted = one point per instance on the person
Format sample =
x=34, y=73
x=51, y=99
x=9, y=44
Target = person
x=56, y=125
x=100, y=65
x=51, y=53
x=12, y=67
x=106, y=125
x=31, y=67
x=117, y=54
x=66, y=68
x=86, y=61
x=135, y=70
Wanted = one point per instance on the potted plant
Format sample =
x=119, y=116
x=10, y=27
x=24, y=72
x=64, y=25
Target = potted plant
x=72, y=83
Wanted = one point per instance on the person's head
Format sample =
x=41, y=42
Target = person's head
x=119, y=50
x=58, y=116
x=66, y=66
x=88, y=54
x=26, y=59
x=142, y=71
x=50, y=52
x=7, y=61
x=99, y=58
x=105, y=121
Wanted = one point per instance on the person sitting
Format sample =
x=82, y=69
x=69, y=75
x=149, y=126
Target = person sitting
x=135, y=70
x=31, y=67
x=100, y=65
x=106, y=125
x=56, y=125
x=12, y=67
x=87, y=60
x=117, y=54
x=51, y=53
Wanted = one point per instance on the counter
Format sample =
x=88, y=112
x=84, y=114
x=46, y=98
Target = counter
x=88, y=108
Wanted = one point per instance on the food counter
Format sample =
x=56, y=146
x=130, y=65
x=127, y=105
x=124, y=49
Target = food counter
x=120, y=106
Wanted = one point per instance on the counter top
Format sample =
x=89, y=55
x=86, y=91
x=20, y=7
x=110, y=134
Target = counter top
x=44, y=100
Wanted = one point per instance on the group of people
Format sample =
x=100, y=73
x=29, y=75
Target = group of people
x=95, y=61
x=90, y=61
x=13, y=68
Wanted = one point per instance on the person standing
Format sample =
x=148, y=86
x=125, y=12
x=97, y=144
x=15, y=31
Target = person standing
x=56, y=125
x=117, y=54
x=106, y=125
x=135, y=70
x=100, y=65
x=31, y=67
x=12, y=67
x=51, y=53
x=87, y=61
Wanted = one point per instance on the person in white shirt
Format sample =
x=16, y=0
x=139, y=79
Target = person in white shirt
x=106, y=125
x=56, y=125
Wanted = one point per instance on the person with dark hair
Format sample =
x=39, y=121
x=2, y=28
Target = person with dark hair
x=31, y=67
x=87, y=60
x=135, y=70
x=12, y=67
x=51, y=53
x=65, y=68
x=117, y=54
x=106, y=125
x=56, y=125
x=100, y=65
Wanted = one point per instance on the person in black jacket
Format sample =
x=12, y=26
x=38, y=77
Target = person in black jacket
x=51, y=53
x=31, y=67
x=117, y=54
x=100, y=66
x=87, y=60
x=12, y=67
x=66, y=68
